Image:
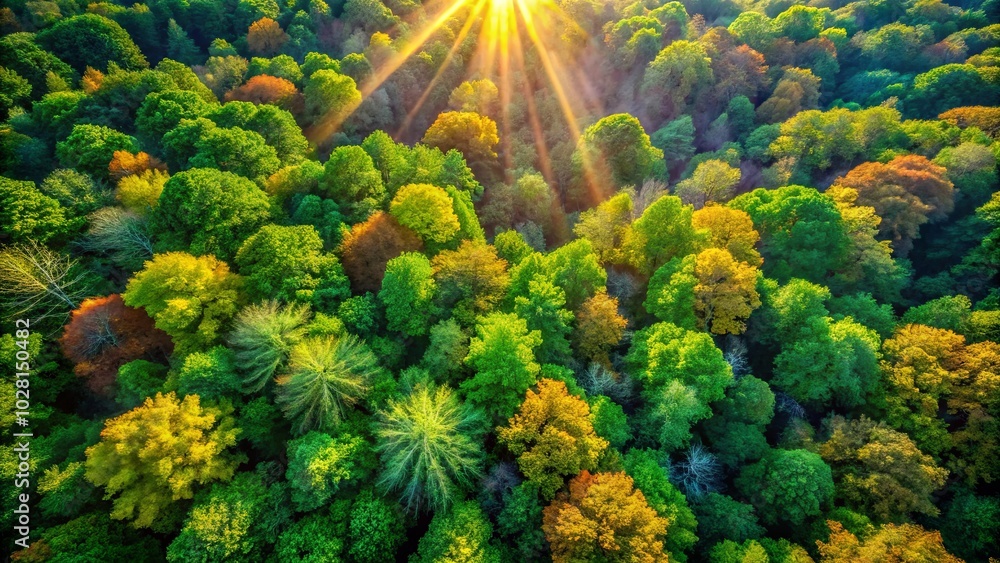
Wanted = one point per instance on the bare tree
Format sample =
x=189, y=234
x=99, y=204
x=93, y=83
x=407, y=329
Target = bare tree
x=650, y=191
x=599, y=380
x=121, y=235
x=699, y=473
x=39, y=281
x=736, y=356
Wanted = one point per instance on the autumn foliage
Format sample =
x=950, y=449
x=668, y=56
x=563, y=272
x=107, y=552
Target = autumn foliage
x=367, y=249
x=984, y=117
x=266, y=89
x=266, y=37
x=603, y=518
x=124, y=163
x=104, y=334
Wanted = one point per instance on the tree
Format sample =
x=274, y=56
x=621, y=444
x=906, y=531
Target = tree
x=543, y=309
x=266, y=89
x=712, y=181
x=155, y=454
x=325, y=376
x=103, y=335
x=885, y=544
x=721, y=517
x=677, y=77
x=376, y=529
x=471, y=134
x=29, y=215
x=90, y=148
x=787, y=486
x=207, y=211
x=502, y=355
x=610, y=154
x=367, y=249
x=37, y=280
x=731, y=230
x=552, y=436
x=881, y=472
x=288, y=263
x=802, y=231
x=180, y=47
x=603, y=517
x=94, y=536
x=429, y=448
x=479, y=96
x=681, y=372
x=651, y=479
x=715, y=290
x=921, y=365
x=662, y=232
x=265, y=37
x=408, y=291
x=946, y=87
x=94, y=41
x=906, y=193
x=350, y=178
x=605, y=226
x=320, y=465
x=736, y=430
x=330, y=97
x=317, y=537
x=190, y=298
x=599, y=327
x=231, y=521
x=798, y=90
x=461, y=534
x=471, y=280
x=16, y=90
x=427, y=211
x=262, y=339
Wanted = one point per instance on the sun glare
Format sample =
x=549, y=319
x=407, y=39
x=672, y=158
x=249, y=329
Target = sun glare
x=506, y=33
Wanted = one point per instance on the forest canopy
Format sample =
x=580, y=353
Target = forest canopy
x=499, y=281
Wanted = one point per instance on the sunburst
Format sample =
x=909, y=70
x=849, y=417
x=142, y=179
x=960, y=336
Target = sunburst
x=507, y=29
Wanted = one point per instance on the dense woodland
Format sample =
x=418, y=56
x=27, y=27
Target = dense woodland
x=503, y=281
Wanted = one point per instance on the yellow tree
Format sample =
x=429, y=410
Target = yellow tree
x=473, y=135
x=552, y=436
x=265, y=37
x=155, y=454
x=599, y=327
x=906, y=543
x=729, y=229
x=603, y=518
x=725, y=292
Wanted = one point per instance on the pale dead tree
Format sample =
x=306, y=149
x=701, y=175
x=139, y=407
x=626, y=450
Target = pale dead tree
x=599, y=380
x=650, y=191
x=621, y=285
x=736, y=356
x=40, y=281
x=698, y=474
x=121, y=235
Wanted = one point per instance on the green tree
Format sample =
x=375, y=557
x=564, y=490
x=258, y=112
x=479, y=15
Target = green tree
x=90, y=148
x=429, y=447
x=427, y=210
x=502, y=355
x=320, y=466
x=408, y=291
x=155, y=454
x=330, y=96
x=662, y=232
x=543, y=309
x=262, y=339
x=802, y=232
x=232, y=149
x=712, y=181
x=15, y=88
x=350, y=178
x=28, y=214
x=190, y=298
x=230, y=522
x=681, y=373
x=787, y=486
x=376, y=529
x=288, y=263
x=325, y=376
x=610, y=154
x=210, y=374
x=461, y=534
x=677, y=77
x=737, y=429
x=207, y=211
x=94, y=41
